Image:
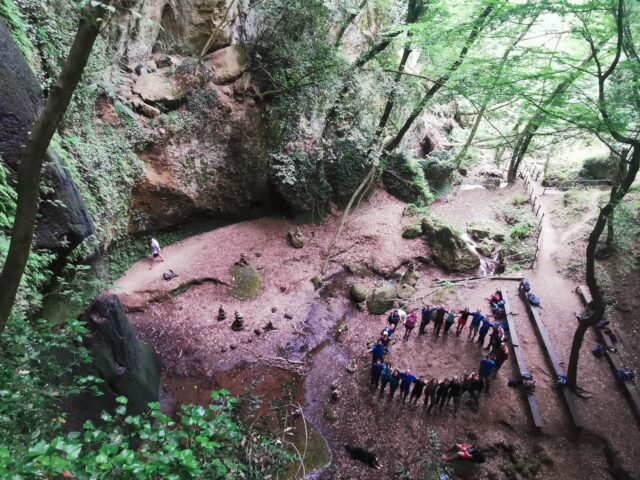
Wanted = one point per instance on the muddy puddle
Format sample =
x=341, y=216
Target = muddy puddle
x=280, y=391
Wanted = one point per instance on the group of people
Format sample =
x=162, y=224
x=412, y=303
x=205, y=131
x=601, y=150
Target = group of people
x=441, y=392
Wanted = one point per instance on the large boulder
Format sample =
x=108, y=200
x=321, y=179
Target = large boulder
x=227, y=64
x=211, y=163
x=381, y=299
x=438, y=169
x=449, y=247
x=160, y=88
x=404, y=178
x=129, y=367
x=358, y=292
x=63, y=220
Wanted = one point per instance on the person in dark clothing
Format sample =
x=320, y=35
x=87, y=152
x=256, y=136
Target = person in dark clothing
x=394, y=382
x=406, y=379
x=418, y=387
x=430, y=394
x=451, y=317
x=462, y=320
x=484, y=329
x=437, y=323
x=394, y=318
x=387, y=371
x=476, y=386
x=376, y=373
x=442, y=392
x=466, y=383
x=496, y=338
x=409, y=324
x=426, y=318
x=455, y=392
x=484, y=372
x=385, y=339
x=501, y=355
x=377, y=352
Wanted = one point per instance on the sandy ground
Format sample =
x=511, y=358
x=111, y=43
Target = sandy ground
x=180, y=322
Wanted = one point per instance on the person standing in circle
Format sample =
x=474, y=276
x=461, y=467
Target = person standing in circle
x=155, y=251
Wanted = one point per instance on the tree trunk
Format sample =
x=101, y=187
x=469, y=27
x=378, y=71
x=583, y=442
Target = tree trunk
x=414, y=11
x=34, y=153
x=478, y=25
x=598, y=306
x=532, y=126
x=347, y=21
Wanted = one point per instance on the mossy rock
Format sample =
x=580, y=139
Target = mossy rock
x=358, y=292
x=405, y=291
x=410, y=277
x=381, y=299
x=412, y=231
x=487, y=247
x=317, y=282
x=246, y=282
x=448, y=246
x=438, y=170
x=329, y=413
x=403, y=178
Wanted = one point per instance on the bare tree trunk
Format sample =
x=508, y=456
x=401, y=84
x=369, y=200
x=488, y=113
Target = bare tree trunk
x=414, y=11
x=478, y=25
x=598, y=305
x=34, y=153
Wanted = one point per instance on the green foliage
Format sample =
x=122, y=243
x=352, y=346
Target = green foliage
x=37, y=365
x=18, y=27
x=205, y=442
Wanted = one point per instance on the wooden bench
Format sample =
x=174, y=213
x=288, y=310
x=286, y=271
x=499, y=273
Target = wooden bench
x=522, y=366
x=568, y=395
x=613, y=358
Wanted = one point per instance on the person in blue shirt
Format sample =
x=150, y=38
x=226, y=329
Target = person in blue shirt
x=486, y=367
x=484, y=329
x=476, y=320
x=406, y=379
x=377, y=352
x=387, y=371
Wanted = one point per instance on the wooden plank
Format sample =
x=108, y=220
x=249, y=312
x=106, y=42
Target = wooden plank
x=547, y=346
x=522, y=366
x=633, y=397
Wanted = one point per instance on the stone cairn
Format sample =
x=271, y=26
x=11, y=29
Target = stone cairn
x=222, y=315
x=238, y=322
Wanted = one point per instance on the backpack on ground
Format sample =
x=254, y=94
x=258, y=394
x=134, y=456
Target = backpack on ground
x=524, y=286
x=533, y=299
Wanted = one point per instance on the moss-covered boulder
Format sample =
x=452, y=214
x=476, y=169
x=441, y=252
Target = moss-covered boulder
x=404, y=178
x=358, y=292
x=246, y=281
x=381, y=299
x=129, y=367
x=412, y=231
x=487, y=247
x=448, y=246
x=438, y=170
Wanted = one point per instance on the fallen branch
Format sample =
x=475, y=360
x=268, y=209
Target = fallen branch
x=345, y=215
x=467, y=279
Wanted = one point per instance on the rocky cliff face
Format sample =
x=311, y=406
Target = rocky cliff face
x=63, y=218
x=183, y=27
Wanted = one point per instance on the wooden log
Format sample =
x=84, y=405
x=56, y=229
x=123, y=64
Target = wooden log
x=613, y=358
x=547, y=346
x=520, y=362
